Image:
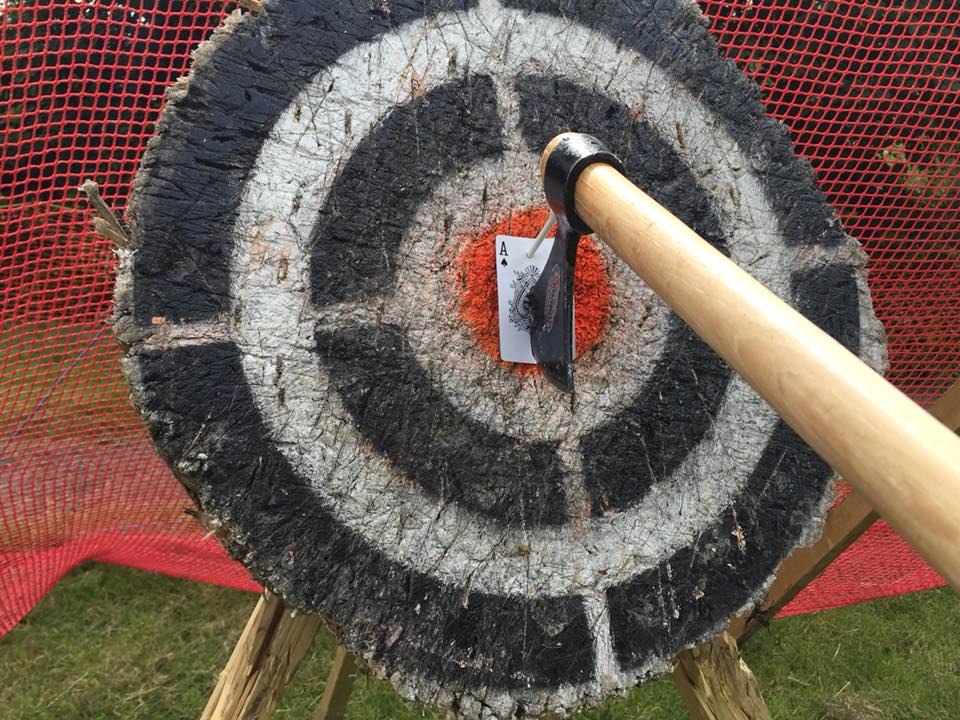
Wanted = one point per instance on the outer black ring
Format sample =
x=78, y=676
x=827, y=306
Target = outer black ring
x=313, y=561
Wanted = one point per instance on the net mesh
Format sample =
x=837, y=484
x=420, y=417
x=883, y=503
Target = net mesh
x=870, y=95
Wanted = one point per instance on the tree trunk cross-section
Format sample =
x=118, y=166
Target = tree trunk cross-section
x=291, y=308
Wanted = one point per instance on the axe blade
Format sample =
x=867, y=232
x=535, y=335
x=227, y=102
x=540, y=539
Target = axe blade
x=551, y=306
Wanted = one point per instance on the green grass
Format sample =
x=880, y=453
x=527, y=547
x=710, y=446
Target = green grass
x=111, y=642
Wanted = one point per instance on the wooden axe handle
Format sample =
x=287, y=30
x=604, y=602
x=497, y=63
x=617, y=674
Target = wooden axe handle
x=903, y=461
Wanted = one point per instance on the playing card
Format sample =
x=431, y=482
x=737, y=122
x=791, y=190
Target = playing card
x=516, y=276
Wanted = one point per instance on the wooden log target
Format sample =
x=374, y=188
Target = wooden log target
x=310, y=229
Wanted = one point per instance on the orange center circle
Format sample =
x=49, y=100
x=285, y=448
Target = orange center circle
x=477, y=274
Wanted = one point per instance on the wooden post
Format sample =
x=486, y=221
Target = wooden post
x=716, y=684
x=947, y=408
x=262, y=664
x=336, y=693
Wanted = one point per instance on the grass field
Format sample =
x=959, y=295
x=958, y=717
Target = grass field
x=111, y=642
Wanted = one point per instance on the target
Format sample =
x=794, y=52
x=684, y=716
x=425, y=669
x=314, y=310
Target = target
x=294, y=313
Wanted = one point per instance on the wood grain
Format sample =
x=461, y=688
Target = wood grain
x=263, y=662
x=336, y=693
x=716, y=684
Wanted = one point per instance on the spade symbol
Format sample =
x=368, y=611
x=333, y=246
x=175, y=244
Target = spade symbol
x=504, y=262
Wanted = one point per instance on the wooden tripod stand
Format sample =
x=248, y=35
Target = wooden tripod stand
x=712, y=679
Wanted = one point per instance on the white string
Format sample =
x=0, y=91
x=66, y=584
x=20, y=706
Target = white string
x=551, y=221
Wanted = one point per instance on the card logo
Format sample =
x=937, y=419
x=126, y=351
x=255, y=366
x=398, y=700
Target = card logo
x=519, y=310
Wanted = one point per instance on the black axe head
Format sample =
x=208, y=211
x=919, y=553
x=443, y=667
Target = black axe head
x=551, y=308
x=551, y=298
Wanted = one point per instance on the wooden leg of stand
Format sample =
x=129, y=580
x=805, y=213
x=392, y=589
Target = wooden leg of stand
x=336, y=693
x=947, y=408
x=263, y=663
x=716, y=684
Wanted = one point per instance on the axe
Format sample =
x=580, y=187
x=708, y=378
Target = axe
x=551, y=298
x=903, y=461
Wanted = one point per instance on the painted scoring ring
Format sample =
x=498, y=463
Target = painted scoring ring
x=444, y=640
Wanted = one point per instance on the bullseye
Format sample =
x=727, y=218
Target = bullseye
x=478, y=286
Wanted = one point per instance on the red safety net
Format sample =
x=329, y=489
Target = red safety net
x=870, y=94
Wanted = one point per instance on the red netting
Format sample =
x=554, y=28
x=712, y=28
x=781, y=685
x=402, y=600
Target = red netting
x=869, y=93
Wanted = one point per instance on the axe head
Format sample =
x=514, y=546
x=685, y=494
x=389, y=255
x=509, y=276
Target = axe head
x=551, y=299
x=551, y=308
